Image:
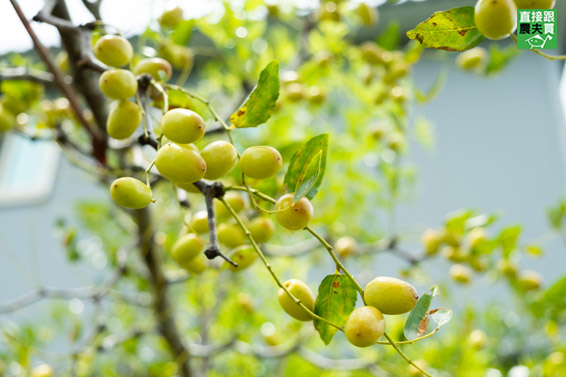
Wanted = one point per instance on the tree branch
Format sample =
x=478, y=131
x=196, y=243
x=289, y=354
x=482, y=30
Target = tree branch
x=162, y=308
x=26, y=74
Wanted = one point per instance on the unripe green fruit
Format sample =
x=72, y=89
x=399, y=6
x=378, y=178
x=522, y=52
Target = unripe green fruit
x=182, y=126
x=294, y=92
x=118, y=83
x=293, y=216
x=345, y=246
x=260, y=162
x=478, y=263
x=372, y=53
x=130, y=193
x=179, y=164
x=329, y=12
x=508, y=267
x=379, y=131
x=244, y=256
x=42, y=370
x=114, y=50
x=460, y=273
x=529, y=280
x=7, y=119
x=171, y=17
x=234, y=200
x=368, y=14
x=455, y=254
x=396, y=142
x=471, y=59
x=186, y=248
x=155, y=67
x=303, y=293
x=398, y=69
x=220, y=157
x=534, y=4
x=246, y=302
x=477, y=237
x=261, y=229
x=495, y=19
x=449, y=238
x=316, y=95
x=123, y=120
x=398, y=94
x=390, y=295
x=180, y=57
x=231, y=235
x=197, y=265
x=364, y=326
x=431, y=241
x=478, y=339
x=199, y=222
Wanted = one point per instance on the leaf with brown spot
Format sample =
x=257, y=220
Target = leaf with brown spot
x=335, y=301
x=452, y=30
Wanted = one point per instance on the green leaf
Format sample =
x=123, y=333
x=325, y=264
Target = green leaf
x=452, y=30
x=260, y=104
x=389, y=39
x=182, y=33
x=308, y=176
x=508, y=239
x=418, y=317
x=336, y=299
x=499, y=58
x=556, y=215
x=300, y=173
x=552, y=303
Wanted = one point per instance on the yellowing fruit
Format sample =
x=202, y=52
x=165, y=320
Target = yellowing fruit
x=155, y=67
x=345, y=246
x=197, y=265
x=364, y=326
x=123, y=120
x=231, y=235
x=261, y=229
x=471, y=59
x=244, y=256
x=495, y=19
x=130, y=193
x=114, y=50
x=179, y=164
x=368, y=14
x=390, y=295
x=293, y=216
x=186, y=248
x=529, y=280
x=220, y=157
x=431, y=241
x=260, y=162
x=182, y=126
x=460, y=273
x=199, y=222
x=302, y=292
x=118, y=83
x=171, y=17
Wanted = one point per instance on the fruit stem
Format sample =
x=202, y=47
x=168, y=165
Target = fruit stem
x=414, y=340
x=339, y=265
x=270, y=269
x=392, y=342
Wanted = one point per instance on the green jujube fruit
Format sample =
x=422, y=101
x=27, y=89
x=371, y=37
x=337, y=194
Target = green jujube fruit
x=260, y=162
x=182, y=126
x=179, y=164
x=302, y=292
x=114, y=50
x=130, y=193
x=293, y=216
x=220, y=157
x=153, y=67
x=123, y=120
x=390, y=295
x=364, y=326
x=186, y=248
x=118, y=84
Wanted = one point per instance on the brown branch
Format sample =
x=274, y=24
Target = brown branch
x=93, y=7
x=26, y=74
x=58, y=77
x=162, y=307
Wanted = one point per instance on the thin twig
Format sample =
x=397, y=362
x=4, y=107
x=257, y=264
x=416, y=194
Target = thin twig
x=26, y=74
